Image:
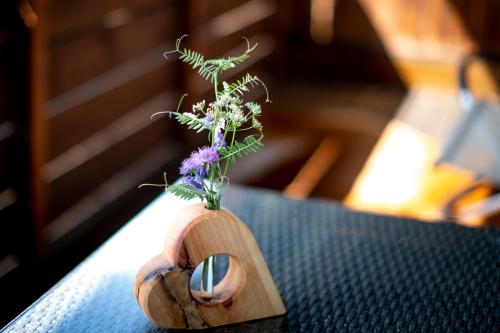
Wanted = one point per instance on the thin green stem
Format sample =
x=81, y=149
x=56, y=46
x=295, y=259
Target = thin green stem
x=227, y=162
x=213, y=203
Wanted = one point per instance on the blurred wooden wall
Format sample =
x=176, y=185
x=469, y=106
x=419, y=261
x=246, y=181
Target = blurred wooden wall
x=106, y=77
x=97, y=74
x=90, y=75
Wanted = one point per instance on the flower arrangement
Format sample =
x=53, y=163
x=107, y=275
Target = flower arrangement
x=204, y=172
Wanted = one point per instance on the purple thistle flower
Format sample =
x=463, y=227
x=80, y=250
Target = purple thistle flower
x=197, y=159
x=188, y=165
x=190, y=180
x=206, y=155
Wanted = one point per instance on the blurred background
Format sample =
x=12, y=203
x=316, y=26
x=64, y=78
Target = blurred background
x=388, y=106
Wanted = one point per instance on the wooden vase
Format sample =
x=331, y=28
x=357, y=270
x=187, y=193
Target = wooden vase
x=247, y=291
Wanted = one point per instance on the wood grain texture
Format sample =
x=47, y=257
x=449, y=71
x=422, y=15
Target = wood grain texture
x=107, y=48
x=38, y=121
x=247, y=292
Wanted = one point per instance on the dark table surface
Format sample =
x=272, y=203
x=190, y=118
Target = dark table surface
x=337, y=270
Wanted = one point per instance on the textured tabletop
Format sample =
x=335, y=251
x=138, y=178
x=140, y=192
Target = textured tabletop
x=337, y=270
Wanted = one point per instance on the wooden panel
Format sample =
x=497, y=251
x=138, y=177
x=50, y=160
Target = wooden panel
x=81, y=59
x=236, y=20
x=85, y=165
x=108, y=75
x=77, y=15
x=233, y=42
x=70, y=127
x=38, y=121
x=71, y=186
x=215, y=8
x=220, y=27
x=90, y=208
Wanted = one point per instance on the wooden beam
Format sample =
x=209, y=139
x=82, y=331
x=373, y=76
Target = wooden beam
x=315, y=168
x=38, y=136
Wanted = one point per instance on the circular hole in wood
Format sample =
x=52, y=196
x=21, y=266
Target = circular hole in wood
x=227, y=280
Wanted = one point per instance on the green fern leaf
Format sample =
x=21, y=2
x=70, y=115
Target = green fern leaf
x=191, y=121
x=185, y=191
x=240, y=149
x=196, y=60
x=241, y=86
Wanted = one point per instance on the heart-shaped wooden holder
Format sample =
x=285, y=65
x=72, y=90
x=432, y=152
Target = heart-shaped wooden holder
x=247, y=291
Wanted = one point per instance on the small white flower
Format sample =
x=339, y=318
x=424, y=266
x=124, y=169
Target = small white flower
x=256, y=124
x=254, y=108
x=199, y=106
x=236, y=116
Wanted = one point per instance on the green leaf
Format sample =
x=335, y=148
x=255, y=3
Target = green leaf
x=185, y=191
x=239, y=149
x=196, y=60
x=223, y=64
x=190, y=120
x=210, y=69
x=240, y=86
